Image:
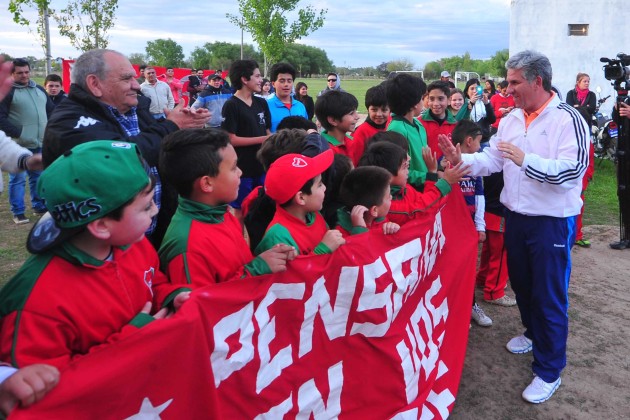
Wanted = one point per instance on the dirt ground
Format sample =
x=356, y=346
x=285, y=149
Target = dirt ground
x=596, y=381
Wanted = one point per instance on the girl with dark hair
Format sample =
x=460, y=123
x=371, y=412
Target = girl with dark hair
x=481, y=111
x=301, y=94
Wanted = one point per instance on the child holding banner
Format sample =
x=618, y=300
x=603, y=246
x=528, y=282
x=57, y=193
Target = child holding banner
x=365, y=194
x=204, y=243
x=94, y=276
x=294, y=182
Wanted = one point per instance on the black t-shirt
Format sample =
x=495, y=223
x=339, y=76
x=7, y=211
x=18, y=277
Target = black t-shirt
x=245, y=121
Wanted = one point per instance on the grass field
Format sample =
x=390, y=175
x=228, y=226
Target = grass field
x=601, y=209
x=355, y=87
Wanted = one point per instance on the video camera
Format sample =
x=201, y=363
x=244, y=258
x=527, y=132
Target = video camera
x=616, y=69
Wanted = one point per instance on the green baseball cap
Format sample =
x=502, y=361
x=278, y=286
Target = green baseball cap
x=85, y=184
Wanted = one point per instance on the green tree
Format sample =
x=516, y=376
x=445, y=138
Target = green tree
x=86, y=22
x=432, y=70
x=137, y=58
x=266, y=21
x=307, y=60
x=497, y=62
x=41, y=31
x=221, y=55
x=401, y=64
x=165, y=53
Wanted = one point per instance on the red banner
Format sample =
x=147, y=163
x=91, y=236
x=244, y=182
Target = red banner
x=377, y=329
x=179, y=73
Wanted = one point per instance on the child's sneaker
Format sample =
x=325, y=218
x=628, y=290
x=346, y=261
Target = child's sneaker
x=519, y=345
x=504, y=300
x=583, y=243
x=480, y=317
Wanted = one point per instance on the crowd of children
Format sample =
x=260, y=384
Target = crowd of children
x=298, y=192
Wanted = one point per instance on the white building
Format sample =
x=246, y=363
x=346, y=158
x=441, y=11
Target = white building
x=574, y=34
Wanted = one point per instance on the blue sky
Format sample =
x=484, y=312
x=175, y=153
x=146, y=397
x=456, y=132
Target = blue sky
x=356, y=33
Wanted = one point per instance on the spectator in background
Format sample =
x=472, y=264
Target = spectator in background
x=502, y=104
x=265, y=90
x=194, y=85
x=301, y=94
x=333, y=82
x=489, y=88
x=456, y=105
x=480, y=108
x=140, y=79
x=54, y=88
x=23, y=116
x=174, y=83
x=213, y=98
x=159, y=92
x=445, y=76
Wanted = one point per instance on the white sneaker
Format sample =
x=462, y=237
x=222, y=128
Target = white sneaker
x=540, y=391
x=519, y=345
x=479, y=316
x=504, y=300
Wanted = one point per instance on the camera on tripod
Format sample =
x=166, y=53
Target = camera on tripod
x=617, y=69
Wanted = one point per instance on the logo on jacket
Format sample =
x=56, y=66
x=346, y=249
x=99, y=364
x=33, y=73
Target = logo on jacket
x=148, y=279
x=85, y=122
x=298, y=162
x=261, y=118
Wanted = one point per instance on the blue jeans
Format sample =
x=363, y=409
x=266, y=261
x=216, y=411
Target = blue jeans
x=17, y=186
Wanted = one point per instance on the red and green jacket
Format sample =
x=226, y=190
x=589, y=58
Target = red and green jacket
x=64, y=304
x=361, y=135
x=344, y=224
x=205, y=245
x=348, y=147
x=287, y=229
x=416, y=136
x=409, y=204
x=434, y=129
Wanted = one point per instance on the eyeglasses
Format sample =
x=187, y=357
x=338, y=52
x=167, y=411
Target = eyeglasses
x=332, y=80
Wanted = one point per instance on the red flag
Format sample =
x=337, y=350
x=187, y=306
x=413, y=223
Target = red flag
x=377, y=329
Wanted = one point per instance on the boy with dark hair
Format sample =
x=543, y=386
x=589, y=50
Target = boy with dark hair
x=407, y=203
x=437, y=119
x=247, y=120
x=204, y=243
x=283, y=104
x=95, y=276
x=296, y=122
x=404, y=95
x=391, y=137
x=294, y=182
x=337, y=112
x=376, y=121
x=468, y=135
x=54, y=88
x=366, y=196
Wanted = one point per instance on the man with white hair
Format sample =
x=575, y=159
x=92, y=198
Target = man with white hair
x=103, y=104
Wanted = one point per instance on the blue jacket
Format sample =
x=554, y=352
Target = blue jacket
x=279, y=111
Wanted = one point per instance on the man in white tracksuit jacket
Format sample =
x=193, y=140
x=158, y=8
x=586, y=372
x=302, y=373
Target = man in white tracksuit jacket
x=542, y=148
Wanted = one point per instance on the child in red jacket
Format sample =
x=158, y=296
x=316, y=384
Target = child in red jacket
x=94, y=277
x=365, y=193
x=294, y=182
x=204, y=243
x=376, y=121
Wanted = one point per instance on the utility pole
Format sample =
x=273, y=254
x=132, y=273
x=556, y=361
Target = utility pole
x=242, y=23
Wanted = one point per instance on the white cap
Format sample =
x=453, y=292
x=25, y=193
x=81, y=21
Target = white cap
x=445, y=74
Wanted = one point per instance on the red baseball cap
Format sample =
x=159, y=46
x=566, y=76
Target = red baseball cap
x=289, y=173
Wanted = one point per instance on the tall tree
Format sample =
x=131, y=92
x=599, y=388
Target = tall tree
x=165, y=53
x=401, y=64
x=41, y=32
x=86, y=22
x=137, y=58
x=220, y=55
x=266, y=22
x=307, y=60
x=497, y=62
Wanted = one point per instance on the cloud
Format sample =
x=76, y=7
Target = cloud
x=355, y=33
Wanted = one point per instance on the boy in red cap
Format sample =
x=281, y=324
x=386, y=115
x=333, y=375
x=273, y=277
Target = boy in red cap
x=94, y=276
x=204, y=243
x=294, y=182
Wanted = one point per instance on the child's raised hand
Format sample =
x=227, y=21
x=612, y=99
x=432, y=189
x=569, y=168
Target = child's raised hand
x=333, y=239
x=357, y=216
x=430, y=159
x=453, y=174
x=27, y=386
x=278, y=256
x=482, y=236
x=390, y=228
